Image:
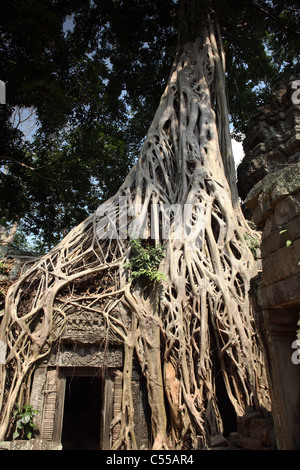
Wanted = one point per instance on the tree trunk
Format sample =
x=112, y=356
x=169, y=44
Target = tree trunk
x=8, y=238
x=178, y=195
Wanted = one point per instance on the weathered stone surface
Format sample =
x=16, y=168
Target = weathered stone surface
x=274, y=139
x=286, y=209
x=218, y=441
x=260, y=428
x=276, y=205
x=268, y=436
x=243, y=422
x=281, y=264
x=283, y=293
x=234, y=440
x=269, y=182
x=86, y=355
x=273, y=239
x=32, y=444
x=3, y=251
x=269, y=191
x=248, y=443
x=255, y=432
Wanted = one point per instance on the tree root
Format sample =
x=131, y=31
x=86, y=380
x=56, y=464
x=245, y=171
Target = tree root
x=177, y=195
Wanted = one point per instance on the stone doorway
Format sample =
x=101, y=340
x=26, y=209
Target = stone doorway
x=82, y=413
x=83, y=383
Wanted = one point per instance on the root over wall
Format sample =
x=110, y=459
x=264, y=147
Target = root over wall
x=197, y=318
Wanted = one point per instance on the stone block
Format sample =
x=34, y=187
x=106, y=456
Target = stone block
x=248, y=443
x=281, y=264
x=3, y=251
x=234, y=440
x=260, y=428
x=281, y=294
x=286, y=209
x=218, y=441
x=269, y=192
x=243, y=422
x=273, y=240
x=268, y=437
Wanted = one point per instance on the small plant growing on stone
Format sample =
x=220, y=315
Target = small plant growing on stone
x=252, y=243
x=144, y=261
x=288, y=242
x=284, y=230
x=25, y=426
x=3, y=268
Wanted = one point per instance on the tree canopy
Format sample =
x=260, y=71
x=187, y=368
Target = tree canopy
x=92, y=72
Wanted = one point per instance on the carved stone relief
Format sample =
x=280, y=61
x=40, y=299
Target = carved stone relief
x=85, y=327
x=86, y=355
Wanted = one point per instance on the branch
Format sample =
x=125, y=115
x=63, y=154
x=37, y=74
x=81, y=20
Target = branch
x=11, y=159
x=274, y=17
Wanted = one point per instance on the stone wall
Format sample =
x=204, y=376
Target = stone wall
x=269, y=182
x=274, y=139
x=254, y=432
x=275, y=203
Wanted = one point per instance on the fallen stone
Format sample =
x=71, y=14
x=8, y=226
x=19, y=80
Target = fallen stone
x=234, y=440
x=259, y=427
x=218, y=441
x=248, y=443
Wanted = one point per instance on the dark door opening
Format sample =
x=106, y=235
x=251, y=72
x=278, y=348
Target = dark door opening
x=82, y=413
x=225, y=406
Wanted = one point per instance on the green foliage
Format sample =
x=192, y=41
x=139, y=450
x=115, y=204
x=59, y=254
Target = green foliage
x=282, y=231
x=79, y=152
x=94, y=89
x=252, y=243
x=261, y=49
x=3, y=268
x=25, y=426
x=144, y=261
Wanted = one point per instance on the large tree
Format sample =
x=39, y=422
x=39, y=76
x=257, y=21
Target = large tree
x=92, y=74
x=164, y=262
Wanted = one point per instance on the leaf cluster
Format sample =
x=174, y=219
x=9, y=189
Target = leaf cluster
x=144, y=262
x=25, y=426
x=261, y=42
x=79, y=152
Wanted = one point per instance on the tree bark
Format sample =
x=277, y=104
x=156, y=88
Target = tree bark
x=8, y=238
